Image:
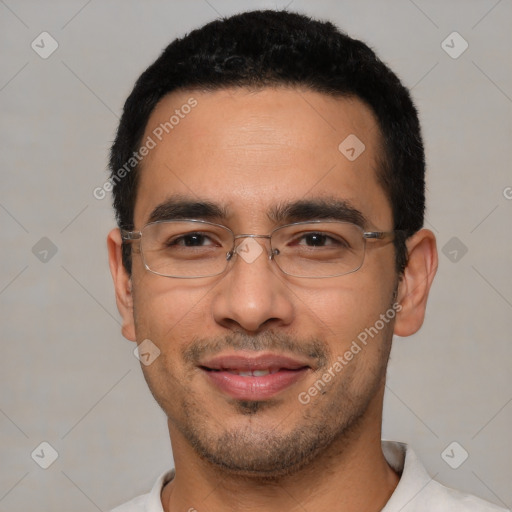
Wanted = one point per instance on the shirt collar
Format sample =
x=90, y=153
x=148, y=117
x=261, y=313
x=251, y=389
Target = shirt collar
x=154, y=501
x=413, y=476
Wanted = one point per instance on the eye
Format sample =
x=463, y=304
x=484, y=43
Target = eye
x=191, y=240
x=320, y=239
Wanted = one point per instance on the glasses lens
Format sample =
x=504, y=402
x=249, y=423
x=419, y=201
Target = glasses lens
x=319, y=249
x=185, y=248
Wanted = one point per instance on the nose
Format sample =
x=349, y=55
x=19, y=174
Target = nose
x=253, y=295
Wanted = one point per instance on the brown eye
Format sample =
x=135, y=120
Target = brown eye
x=319, y=239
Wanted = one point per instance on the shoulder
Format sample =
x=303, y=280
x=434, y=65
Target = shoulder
x=439, y=497
x=138, y=504
x=417, y=491
x=148, y=502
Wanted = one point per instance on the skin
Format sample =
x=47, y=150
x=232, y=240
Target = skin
x=248, y=151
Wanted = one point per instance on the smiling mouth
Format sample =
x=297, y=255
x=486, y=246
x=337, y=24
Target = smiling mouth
x=250, y=377
x=254, y=373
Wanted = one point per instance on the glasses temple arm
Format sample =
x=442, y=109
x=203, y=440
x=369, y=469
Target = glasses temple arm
x=130, y=235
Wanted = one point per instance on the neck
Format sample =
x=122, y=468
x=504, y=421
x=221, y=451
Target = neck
x=351, y=475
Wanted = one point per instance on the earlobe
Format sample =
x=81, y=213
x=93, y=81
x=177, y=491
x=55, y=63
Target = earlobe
x=416, y=281
x=122, y=284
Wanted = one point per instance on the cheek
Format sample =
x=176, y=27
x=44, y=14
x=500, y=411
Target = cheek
x=358, y=329
x=164, y=307
x=169, y=314
x=348, y=304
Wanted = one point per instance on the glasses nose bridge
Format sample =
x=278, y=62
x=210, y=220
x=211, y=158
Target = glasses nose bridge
x=244, y=236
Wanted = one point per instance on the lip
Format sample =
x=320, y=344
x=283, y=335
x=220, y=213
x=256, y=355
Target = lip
x=286, y=371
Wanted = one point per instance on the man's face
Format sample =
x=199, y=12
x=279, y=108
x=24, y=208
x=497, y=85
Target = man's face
x=249, y=153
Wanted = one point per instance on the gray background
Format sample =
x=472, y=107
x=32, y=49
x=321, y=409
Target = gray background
x=68, y=376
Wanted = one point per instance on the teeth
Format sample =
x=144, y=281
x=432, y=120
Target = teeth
x=260, y=373
x=253, y=373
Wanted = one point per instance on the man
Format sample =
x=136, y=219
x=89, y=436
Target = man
x=268, y=177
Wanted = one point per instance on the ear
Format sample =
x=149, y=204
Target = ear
x=415, y=282
x=122, y=284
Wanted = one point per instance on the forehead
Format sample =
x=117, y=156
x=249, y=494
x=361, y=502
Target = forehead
x=249, y=151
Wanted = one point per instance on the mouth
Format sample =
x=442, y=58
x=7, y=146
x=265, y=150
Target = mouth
x=245, y=376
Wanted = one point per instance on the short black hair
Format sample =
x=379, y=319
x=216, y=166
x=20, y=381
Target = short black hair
x=267, y=48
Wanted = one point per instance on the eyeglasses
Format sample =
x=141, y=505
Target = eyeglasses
x=191, y=248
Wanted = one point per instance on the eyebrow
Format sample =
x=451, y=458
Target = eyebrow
x=317, y=209
x=181, y=207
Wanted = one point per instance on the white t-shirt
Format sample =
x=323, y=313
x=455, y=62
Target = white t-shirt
x=416, y=491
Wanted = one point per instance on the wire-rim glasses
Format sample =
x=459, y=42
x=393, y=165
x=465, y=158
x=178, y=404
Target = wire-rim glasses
x=193, y=248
